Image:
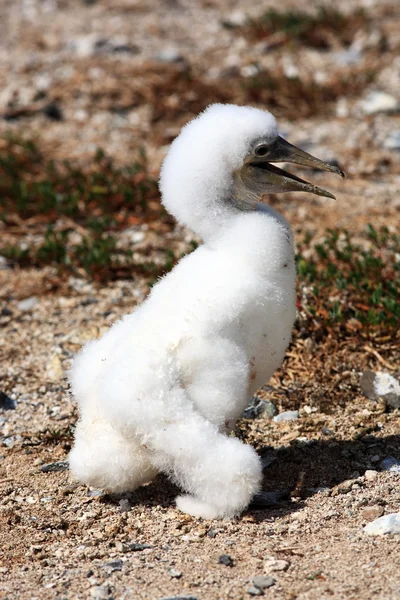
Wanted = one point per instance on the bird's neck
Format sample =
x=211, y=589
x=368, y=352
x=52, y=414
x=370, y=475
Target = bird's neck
x=261, y=238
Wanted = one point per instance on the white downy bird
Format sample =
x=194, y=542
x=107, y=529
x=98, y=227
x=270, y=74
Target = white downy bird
x=161, y=389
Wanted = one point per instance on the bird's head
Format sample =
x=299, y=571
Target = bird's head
x=223, y=163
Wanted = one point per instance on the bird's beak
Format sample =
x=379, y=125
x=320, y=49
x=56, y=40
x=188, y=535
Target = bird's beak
x=279, y=180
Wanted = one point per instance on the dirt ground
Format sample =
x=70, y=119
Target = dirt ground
x=123, y=75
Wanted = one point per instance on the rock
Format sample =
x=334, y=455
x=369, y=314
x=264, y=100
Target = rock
x=289, y=415
x=53, y=112
x=134, y=547
x=55, y=369
x=95, y=493
x=100, y=592
x=124, y=505
x=213, y=533
x=175, y=574
x=384, y=525
x=392, y=142
x=381, y=385
x=180, y=598
x=390, y=464
x=274, y=564
x=254, y=591
x=380, y=102
x=262, y=581
x=61, y=465
x=369, y=513
x=169, y=55
x=27, y=304
x=270, y=409
x=370, y=475
x=348, y=57
x=7, y=403
x=269, y=499
x=226, y=560
x=258, y=407
x=113, y=565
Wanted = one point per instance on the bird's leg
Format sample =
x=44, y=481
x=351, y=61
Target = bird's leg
x=220, y=473
x=103, y=458
x=216, y=373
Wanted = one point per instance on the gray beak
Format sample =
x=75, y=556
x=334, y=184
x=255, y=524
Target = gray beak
x=279, y=180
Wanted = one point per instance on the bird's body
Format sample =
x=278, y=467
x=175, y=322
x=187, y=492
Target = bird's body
x=159, y=391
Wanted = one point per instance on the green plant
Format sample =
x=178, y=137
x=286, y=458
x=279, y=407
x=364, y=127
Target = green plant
x=354, y=284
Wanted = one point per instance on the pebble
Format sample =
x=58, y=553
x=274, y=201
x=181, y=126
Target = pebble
x=381, y=385
x=60, y=465
x=380, y=102
x=134, y=547
x=370, y=475
x=175, y=574
x=275, y=564
x=113, y=565
x=226, y=560
x=95, y=493
x=289, y=415
x=100, y=592
x=124, y=505
x=7, y=403
x=384, y=525
x=180, y=598
x=27, y=304
x=213, y=533
x=390, y=464
x=55, y=369
x=53, y=112
x=169, y=55
x=258, y=407
x=392, y=142
x=369, y=513
x=348, y=57
x=254, y=591
x=262, y=581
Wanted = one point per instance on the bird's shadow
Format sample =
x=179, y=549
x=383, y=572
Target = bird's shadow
x=291, y=474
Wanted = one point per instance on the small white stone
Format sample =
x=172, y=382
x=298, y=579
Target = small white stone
x=289, y=415
x=386, y=384
x=370, y=475
x=377, y=102
x=27, y=304
x=272, y=564
x=384, y=525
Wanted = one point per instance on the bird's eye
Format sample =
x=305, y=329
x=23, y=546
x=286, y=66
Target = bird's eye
x=261, y=150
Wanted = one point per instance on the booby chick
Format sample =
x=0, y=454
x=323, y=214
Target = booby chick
x=160, y=390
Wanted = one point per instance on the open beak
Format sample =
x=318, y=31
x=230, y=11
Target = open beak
x=279, y=180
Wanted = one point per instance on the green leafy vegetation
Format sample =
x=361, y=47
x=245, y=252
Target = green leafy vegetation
x=354, y=284
x=76, y=212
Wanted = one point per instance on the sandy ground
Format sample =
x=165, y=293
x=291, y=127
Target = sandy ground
x=61, y=540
